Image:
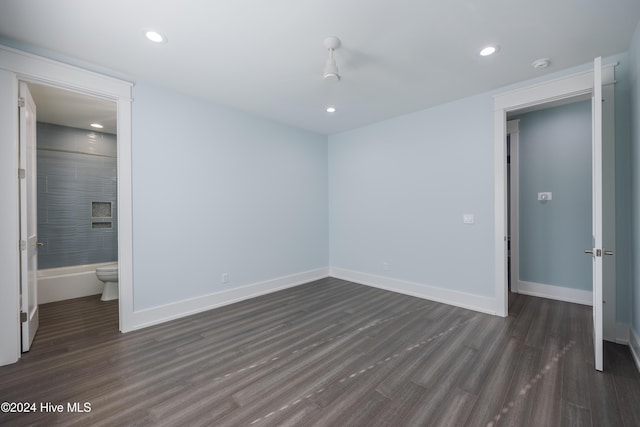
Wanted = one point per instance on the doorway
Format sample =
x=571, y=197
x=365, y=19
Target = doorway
x=549, y=221
x=76, y=191
x=553, y=93
x=68, y=196
x=555, y=227
x=21, y=66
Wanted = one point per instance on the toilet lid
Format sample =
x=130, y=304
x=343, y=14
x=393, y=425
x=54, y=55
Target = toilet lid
x=108, y=269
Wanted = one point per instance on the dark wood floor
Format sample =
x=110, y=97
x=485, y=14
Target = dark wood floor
x=328, y=353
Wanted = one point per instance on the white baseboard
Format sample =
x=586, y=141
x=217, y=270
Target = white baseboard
x=634, y=344
x=455, y=298
x=156, y=315
x=559, y=293
x=66, y=286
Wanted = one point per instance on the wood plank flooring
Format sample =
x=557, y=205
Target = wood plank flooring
x=327, y=353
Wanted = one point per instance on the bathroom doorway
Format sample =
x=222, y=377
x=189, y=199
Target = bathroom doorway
x=24, y=67
x=76, y=193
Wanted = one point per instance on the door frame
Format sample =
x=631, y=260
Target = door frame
x=547, y=93
x=16, y=66
x=513, y=129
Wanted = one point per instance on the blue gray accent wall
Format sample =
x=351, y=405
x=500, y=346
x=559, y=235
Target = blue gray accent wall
x=555, y=156
x=75, y=168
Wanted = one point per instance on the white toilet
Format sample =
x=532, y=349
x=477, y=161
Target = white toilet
x=109, y=275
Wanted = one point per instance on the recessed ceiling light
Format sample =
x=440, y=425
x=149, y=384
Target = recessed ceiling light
x=96, y=125
x=331, y=109
x=155, y=36
x=489, y=50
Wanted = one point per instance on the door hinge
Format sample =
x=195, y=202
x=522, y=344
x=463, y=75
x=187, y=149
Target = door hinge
x=21, y=102
x=23, y=317
x=23, y=245
x=22, y=174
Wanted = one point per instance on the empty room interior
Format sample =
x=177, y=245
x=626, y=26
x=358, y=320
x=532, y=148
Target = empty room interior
x=327, y=213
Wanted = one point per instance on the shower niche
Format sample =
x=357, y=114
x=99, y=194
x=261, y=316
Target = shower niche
x=101, y=213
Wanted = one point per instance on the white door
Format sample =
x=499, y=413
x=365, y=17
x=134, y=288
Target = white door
x=597, y=250
x=28, y=219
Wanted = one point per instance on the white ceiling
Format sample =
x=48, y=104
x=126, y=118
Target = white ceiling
x=63, y=107
x=267, y=57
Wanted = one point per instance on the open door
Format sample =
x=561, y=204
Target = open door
x=28, y=219
x=597, y=251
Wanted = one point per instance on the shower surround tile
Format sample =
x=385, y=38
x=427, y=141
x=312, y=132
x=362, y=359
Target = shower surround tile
x=75, y=169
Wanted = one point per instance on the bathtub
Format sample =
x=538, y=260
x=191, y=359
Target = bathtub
x=57, y=284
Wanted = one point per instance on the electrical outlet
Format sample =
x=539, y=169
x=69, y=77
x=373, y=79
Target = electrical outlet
x=385, y=266
x=225, y=278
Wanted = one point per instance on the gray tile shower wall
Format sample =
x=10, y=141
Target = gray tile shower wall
x=75, y=168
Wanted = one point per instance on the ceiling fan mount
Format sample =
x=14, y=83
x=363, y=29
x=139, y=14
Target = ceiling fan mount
x=331, y=72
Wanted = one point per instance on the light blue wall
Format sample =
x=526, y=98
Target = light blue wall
x=220, y=191
x=399, y=189
x=555, y=155
x=75, y=167
x=634, y=52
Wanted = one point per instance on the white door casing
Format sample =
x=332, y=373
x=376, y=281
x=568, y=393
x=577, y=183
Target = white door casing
x=28, y=217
